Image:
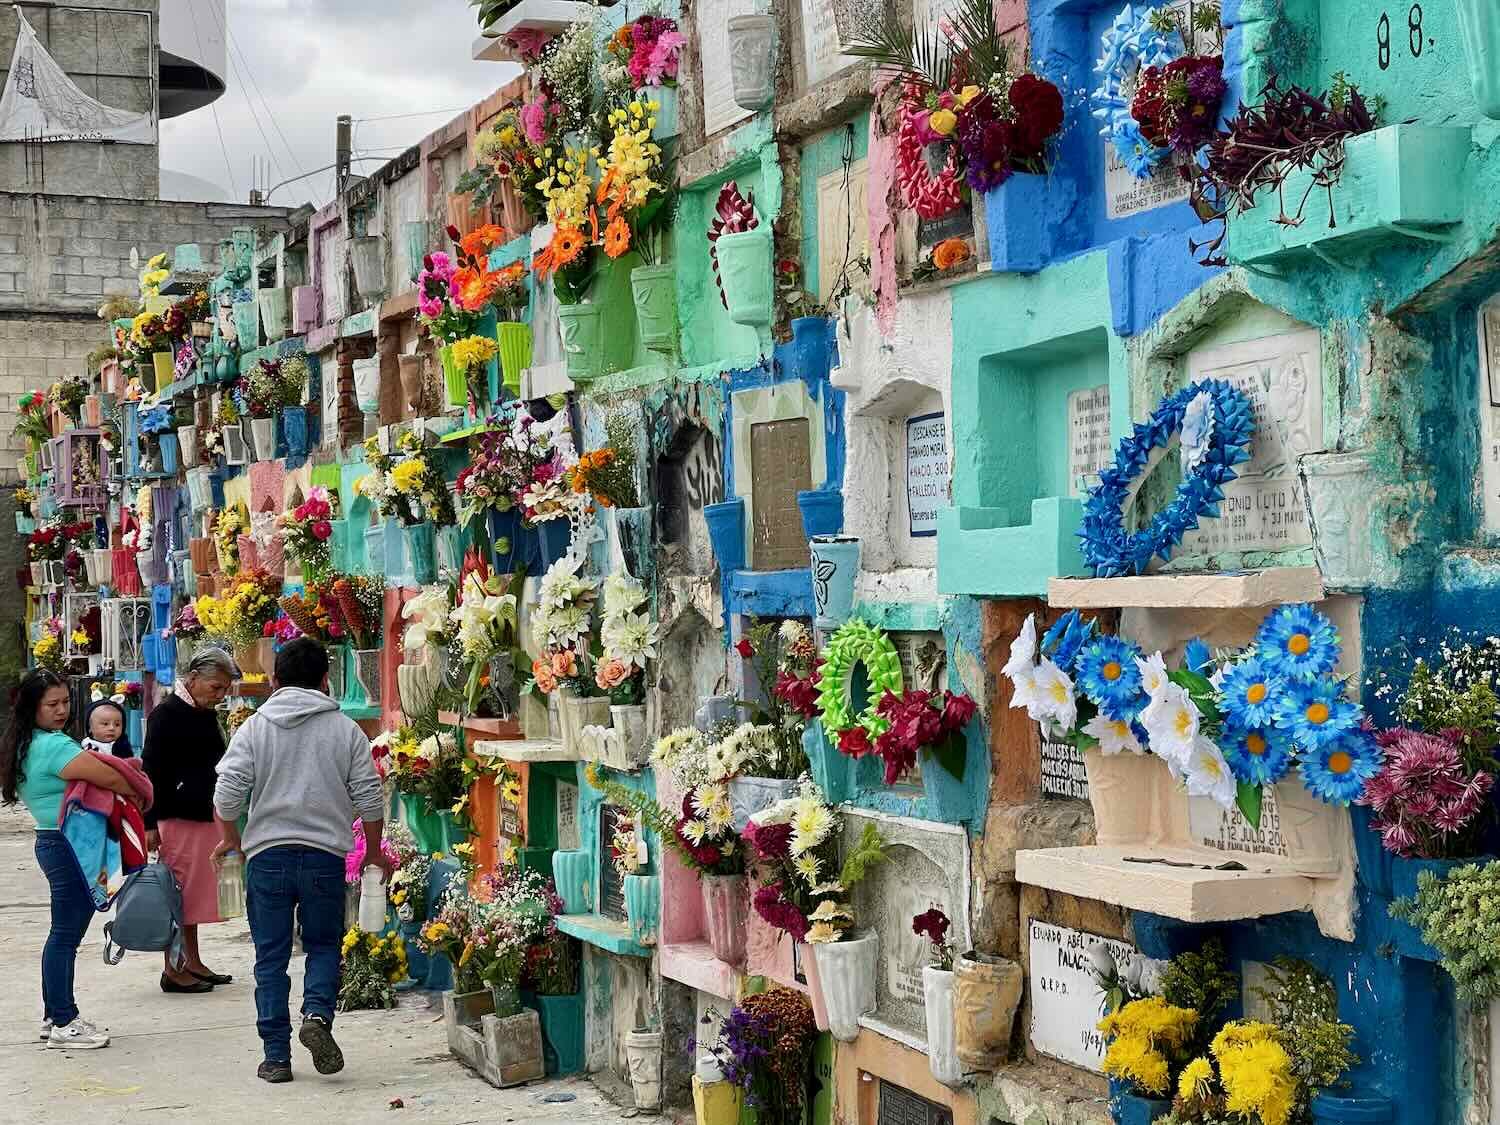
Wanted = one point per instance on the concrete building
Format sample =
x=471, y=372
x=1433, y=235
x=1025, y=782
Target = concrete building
x=73, y=211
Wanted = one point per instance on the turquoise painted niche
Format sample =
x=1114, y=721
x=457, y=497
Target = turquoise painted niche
x=1017, y=508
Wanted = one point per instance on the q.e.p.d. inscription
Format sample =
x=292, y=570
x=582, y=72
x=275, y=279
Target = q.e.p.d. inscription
x=1066, y=1000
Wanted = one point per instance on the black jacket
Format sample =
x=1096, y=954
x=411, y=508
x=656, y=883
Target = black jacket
x=183, y=745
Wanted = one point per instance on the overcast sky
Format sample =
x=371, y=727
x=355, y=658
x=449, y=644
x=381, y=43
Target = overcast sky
x=295, y=65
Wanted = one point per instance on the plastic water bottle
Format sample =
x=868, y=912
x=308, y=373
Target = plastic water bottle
x=232, y=885
x=372, y=900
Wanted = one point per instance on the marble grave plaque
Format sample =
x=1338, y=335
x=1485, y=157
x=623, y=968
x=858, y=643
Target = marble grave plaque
x=1066, y=1001
x=567, y=817
x=1088, y=438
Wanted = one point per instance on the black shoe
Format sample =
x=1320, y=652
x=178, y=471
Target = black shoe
x=212, y=978
x=274, y=1072
x=171, y=986
x=317, y=1037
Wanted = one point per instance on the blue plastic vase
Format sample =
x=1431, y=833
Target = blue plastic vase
x=294, y=430
x=1328, y=1109
x=507, y=547
x=822, y=511
x=1020, y=236
x=809, y=354
x=1131, y=1109
x=421, y=552
x=562, y=1032
x=726, y=531
x=167, y=443
x=553, y=537
x=835, y=565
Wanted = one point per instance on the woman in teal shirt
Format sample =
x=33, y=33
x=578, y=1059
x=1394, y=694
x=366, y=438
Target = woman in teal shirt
x=37, y=760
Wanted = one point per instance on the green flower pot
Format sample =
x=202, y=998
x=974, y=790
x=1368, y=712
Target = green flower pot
x=515, y=353
x=582, y=340
x=455, y=380
x=434, y=831
x=745, y=274
x=655, y=292
x=643, y=907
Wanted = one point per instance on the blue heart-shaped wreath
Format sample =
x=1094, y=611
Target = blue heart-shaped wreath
x=1107, y=548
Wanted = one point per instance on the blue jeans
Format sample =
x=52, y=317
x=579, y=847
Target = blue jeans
x=282, y=885
x=72, y=910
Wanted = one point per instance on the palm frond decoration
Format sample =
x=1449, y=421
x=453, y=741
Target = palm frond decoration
x=926, y=55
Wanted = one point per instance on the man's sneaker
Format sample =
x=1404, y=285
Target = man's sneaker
x=78, y=1036
x=317, y=1037
x=274, y=1072
x=46, y=1030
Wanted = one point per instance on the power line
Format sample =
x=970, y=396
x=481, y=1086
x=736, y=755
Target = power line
x=403, y=116
x=250, y=105
x=247, y=72
x=214, y=108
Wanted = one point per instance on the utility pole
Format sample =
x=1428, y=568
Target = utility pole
x=344, y=149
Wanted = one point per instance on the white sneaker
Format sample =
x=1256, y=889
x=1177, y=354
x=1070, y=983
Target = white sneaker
x=77, y=1036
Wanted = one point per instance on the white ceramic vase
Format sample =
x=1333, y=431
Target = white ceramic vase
x=942, y=1044
x=846, y=971
x=643, y=1058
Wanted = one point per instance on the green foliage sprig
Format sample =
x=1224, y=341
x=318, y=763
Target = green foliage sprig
x=868, y=852
x=1202, y=981
x=929, y=56
x=1304, y=1008
x=1459, y=916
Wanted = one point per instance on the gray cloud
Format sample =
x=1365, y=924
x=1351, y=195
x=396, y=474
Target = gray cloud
x=295, y=65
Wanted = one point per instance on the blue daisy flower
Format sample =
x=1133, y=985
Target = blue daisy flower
x=1337, y=771
x=1250, y=691
x=1257, y=755
x=1062, y=642
x=1314, y=715
x=1299, y=641
x=1198, y=657
x=1106, y=672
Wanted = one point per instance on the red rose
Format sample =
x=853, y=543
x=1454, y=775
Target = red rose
x=1149, y=107
x=957, y=711
x=855, y=742
x=1038, y=106
x=744, y=647
x=322, y=529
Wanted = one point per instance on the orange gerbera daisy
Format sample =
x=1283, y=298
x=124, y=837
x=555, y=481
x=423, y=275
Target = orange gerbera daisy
x=617, y=237
x=481, y=240
x=475, y=288
x=567, y=243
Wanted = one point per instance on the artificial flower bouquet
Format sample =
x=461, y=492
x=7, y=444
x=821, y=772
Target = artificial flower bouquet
x=971, y=115
x=1158, y=93
x=454, y=290
x=486, y=934
x=272, y=385
x=561, y=628
x=1226, y=725
x=515, y=151
x=312, y=613
x=358, y=607
x=635, y=188
x=46, y=544
x=227, y=527
x=607, y=474
x=625, y=845
x=430, y=768
x=503, y=463
x=47, y=649
x=485, y=620
x=307, y=529
x=31, y=418
x=628, y=639
x=408, y=484
x=644, y=53
x=765, y=1048
x=68, y=396
x=428, y=621
x=701, y=832
x=804, y=890
x=186, y=626
x=915, y=722
x=408, y=885
x=783, y=658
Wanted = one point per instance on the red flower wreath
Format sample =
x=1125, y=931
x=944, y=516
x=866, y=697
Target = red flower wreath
x=929, y=197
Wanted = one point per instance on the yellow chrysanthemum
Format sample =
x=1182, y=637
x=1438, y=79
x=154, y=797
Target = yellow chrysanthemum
x=407, y=476
x=1196, y=1080
x=1131, y=1058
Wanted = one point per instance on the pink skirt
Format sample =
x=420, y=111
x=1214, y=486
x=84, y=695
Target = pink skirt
x=187, y=848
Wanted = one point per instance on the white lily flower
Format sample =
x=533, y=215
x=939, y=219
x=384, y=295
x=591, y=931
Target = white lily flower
x=1172, y=721
x=1208, y=774
x=1057, y=701
x=1114, y=735
x=1022, y=650
x=1153, y=671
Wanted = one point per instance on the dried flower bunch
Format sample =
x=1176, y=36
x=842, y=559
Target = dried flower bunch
x=765, y=1048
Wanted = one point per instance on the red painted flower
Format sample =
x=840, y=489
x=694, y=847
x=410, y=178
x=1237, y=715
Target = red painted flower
x=958, y=709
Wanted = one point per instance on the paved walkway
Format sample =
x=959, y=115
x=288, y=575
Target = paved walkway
x=193, y=1058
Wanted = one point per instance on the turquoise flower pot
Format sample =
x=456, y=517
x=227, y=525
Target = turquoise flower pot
x=726, y=531
x=835, y=564
x=643, y=907
x=421, y=550
x=572, y=871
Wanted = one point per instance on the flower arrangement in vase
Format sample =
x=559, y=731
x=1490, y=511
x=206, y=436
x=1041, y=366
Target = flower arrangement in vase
x=628, y=639
x=1226, y=726
x=765, y=1048
x=513, y=151
x=68, y=396
x=360, y=602
x=313, y=613
x=969, y=115
x=307, y=529
x=607, y=474
x=228, y=525
x=239, y=616
x=643, y=54
x=485, y=619
x=408, y=484
x=561, y=627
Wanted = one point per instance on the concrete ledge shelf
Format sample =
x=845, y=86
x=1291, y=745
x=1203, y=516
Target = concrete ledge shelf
x=492, y=730
x=1275, y=586
x=524, y=750
x=1189, y=894
x=1398, y=183
x=693, y=963
x=529, y=15
x=604, y=933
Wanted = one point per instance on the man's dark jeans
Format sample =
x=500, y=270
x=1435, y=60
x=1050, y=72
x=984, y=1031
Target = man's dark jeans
x=281, y=883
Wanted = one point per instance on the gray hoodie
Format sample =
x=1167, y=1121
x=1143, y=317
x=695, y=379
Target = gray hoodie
x=304, y=769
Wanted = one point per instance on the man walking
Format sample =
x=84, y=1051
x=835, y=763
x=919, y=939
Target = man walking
x=304, y=769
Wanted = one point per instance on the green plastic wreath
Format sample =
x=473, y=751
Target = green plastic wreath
x=857, y=644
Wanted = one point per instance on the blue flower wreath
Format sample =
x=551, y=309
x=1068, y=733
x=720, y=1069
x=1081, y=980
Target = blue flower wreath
x=1130, y=45
x=1107, y=548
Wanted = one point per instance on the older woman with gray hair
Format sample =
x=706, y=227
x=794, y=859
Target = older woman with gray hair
x=183, y=747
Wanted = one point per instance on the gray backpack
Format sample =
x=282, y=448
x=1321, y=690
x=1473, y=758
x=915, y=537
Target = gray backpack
x=148, y=915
